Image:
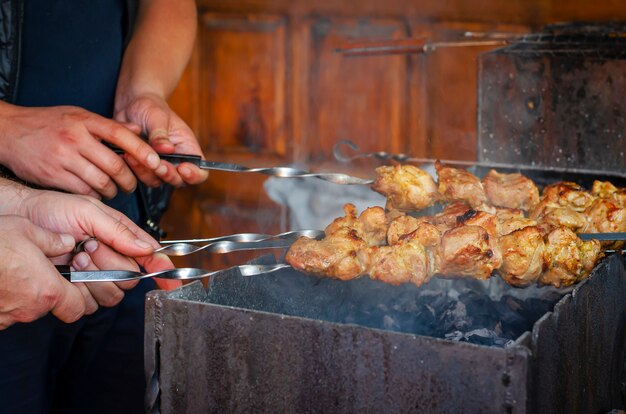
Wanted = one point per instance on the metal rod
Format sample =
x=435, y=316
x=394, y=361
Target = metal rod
x=410, y=46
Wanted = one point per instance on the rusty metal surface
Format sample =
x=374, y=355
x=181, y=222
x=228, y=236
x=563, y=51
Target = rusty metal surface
x=552, y=106
x=221, y=359
x=204, y=357
x=579, y=350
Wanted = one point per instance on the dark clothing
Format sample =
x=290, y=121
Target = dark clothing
x=70, y=53
x=92, y=366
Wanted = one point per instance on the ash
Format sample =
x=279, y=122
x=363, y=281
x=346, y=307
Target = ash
x=481, y=312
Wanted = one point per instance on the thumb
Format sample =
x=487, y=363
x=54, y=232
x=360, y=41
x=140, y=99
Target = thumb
x=158, y=126
x=50, y=243
x=70, y=305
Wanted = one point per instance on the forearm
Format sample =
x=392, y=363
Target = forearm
x=159, y=50
x=12, y=195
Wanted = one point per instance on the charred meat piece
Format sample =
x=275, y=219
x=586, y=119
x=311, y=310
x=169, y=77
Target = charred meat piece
x=342, y=255
x=371, y=225
x=552, y=215
x=469, y=251
x=567, y=258
x=606, y=190
x=374, y=226
x=487, y=221
x=405, y=227
x=460, y=185
x=522, y=256
x=349, y=220
x=406, y=187
x=403, y=231
x=511, y=219
x=400, y=227
x=605, y=216
x=402, y=263
x=568, y=194
x=447, y=219
x=510, y=190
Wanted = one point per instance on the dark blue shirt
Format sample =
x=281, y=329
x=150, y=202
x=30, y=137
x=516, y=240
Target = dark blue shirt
x=71, y=52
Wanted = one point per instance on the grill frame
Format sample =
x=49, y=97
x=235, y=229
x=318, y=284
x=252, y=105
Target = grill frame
x=203, y=357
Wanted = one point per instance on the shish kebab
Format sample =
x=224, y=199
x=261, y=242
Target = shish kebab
x=482, y=229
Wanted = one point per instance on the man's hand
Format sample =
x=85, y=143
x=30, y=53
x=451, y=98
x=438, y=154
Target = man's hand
x=60, y=147
x=167, y=134
x=98, y=256
x=30, y=286
x=84, y=217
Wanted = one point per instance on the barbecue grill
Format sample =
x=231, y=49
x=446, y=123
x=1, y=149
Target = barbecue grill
x=288, y=342
x=281, y=343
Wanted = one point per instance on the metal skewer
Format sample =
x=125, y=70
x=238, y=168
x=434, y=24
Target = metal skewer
x=340, y=155
x=183, y=273
x=236, y=242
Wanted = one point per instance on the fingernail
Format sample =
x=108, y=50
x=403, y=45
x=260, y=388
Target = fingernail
x=67, y=240
x=91, y=246
x=81, y=261
x=185, y=171
x=161, y=170
x=153, y=160
x=142, y=244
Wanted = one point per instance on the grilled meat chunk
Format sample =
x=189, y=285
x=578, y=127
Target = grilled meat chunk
x=511, y=219
x=371, y=225
x=567, y=258
x=568, y=194
x=342, y=255
x=460, y=185
x=605, y=189
x=510, y=190
x=522, y=256
x=605, y=216
x=406, y=187
x=402, y=263
x=469, y=251
x=552, y=215
x=374, y=227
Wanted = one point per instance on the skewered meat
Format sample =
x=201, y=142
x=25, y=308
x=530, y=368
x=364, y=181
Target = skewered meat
x=469, y=238
x=605, y=215
x=568, y=194
x=567, y=258
x=374, y=223
x=460, y=185
x=427, y=235
x=487, y=221
x=342, y=255
x=402, y=226
x=522, y=256
x=510, y=190
x=371, y=225
x=469, y=251
x=511, y=219
x=553, y=215
x=402, y=263
x=605, y=189
x=406, y=187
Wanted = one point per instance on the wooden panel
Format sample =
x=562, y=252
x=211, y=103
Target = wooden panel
x=362, y=99
x=449, y=90
x=530, y=12
x=242, y=83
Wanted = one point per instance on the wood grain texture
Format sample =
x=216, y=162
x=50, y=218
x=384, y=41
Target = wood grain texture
x=242, y=83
